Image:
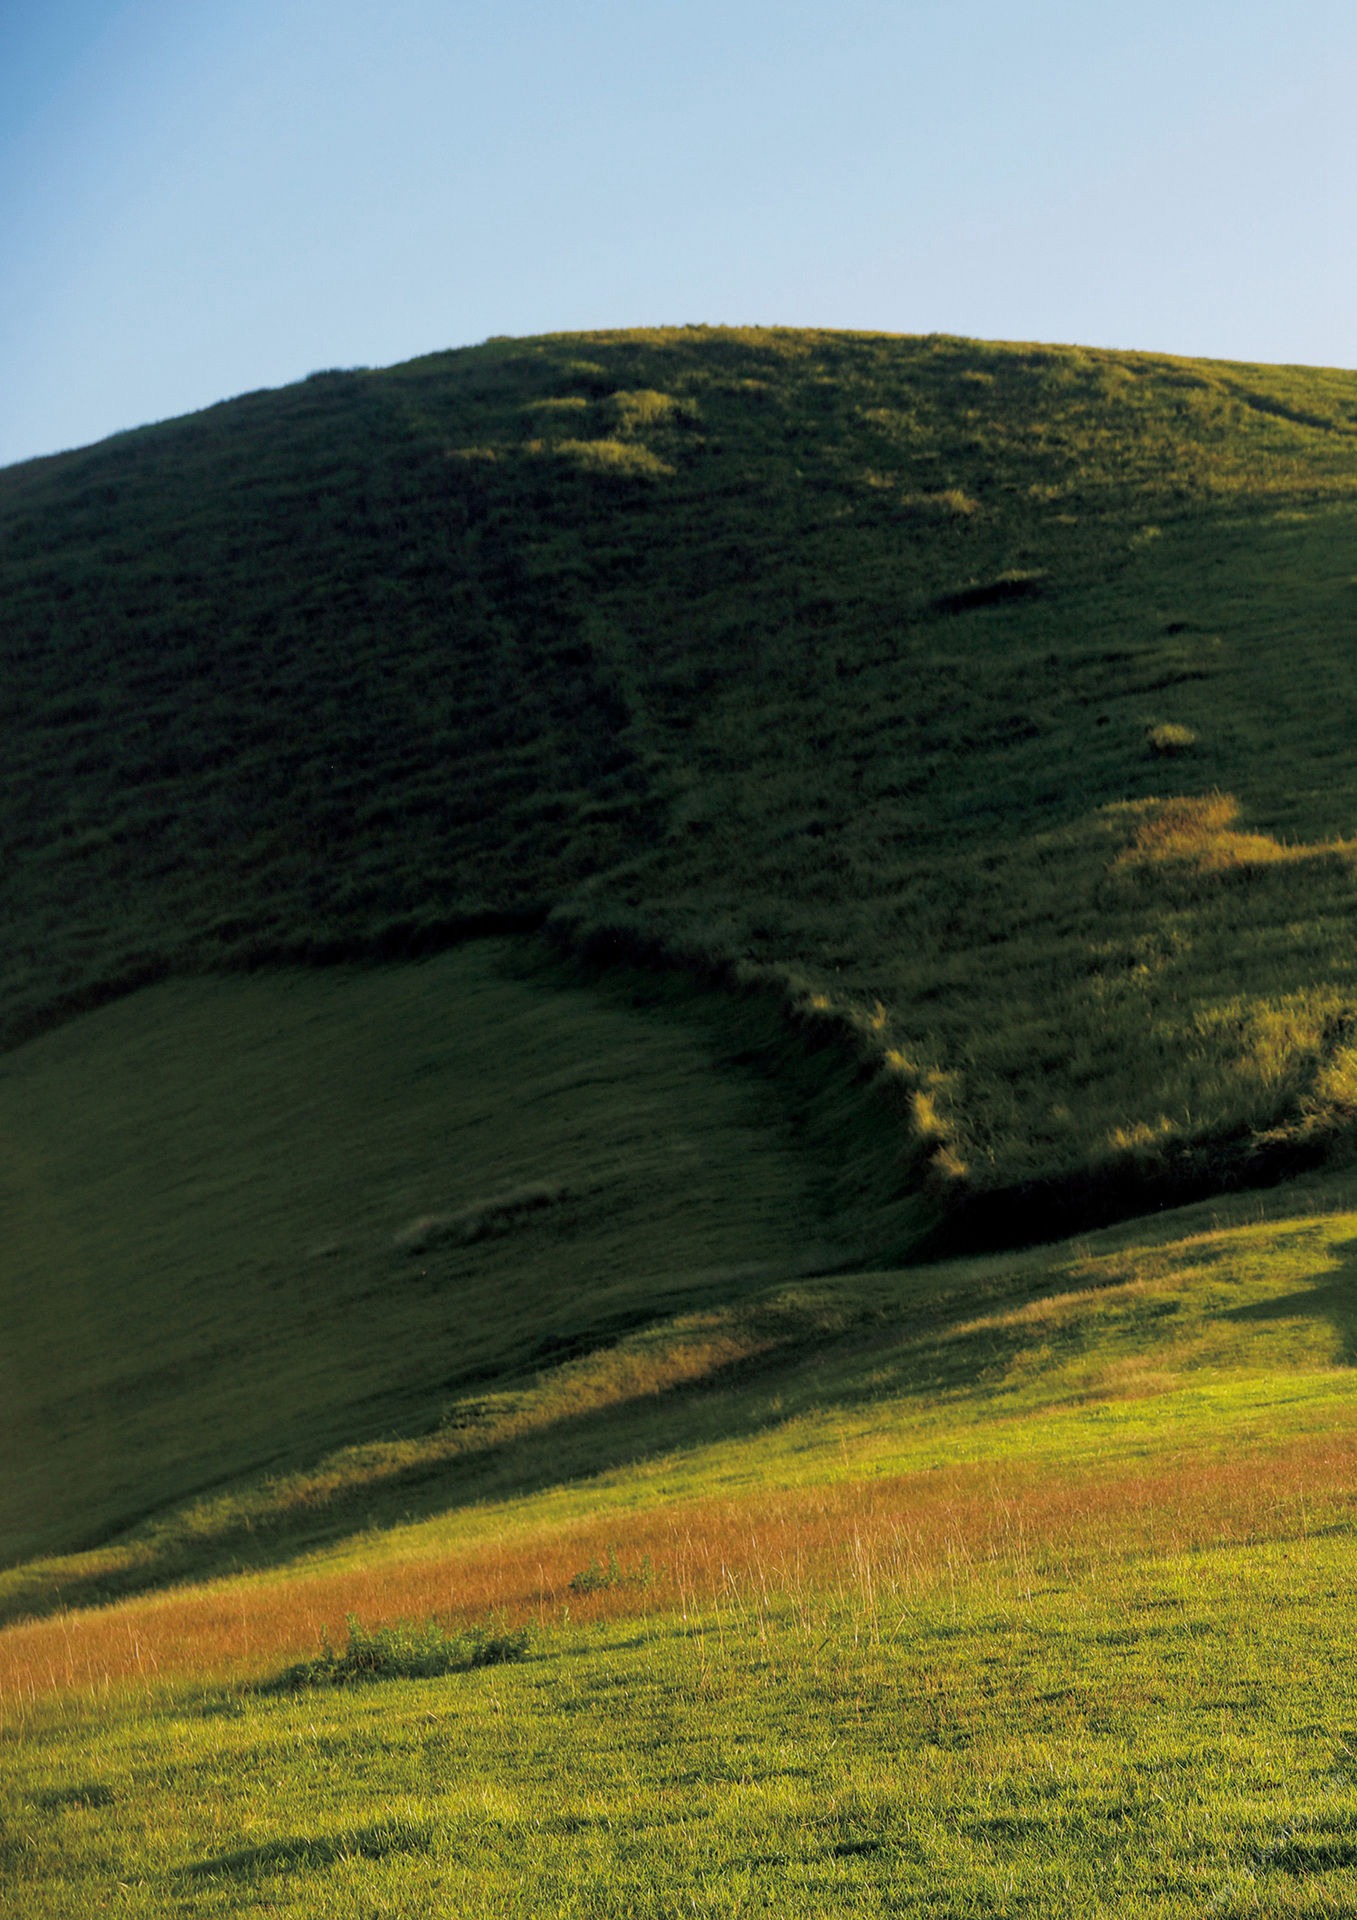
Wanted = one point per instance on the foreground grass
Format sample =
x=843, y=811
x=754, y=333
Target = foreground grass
x=1174, y=1735
x=1018, y=1586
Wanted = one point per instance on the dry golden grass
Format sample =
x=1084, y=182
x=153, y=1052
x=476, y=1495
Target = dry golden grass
x=877, y=1540
x=1201, y=833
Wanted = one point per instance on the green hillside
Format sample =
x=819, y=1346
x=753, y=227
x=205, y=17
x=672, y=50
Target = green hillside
x=248, y=1220
x=1012, y=1586
x=995, y=698
x=678, y=1054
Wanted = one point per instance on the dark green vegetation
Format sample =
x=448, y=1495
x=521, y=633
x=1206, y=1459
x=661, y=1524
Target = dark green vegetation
x=250, y=1219
x=1006, y=690
x=406, y=1650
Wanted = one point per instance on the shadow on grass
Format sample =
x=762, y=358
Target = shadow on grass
x=902, y=1340
x=302, y=1853
x=1331, y=1294
x=900, y=1337
x=1308, y=1853
x=75, y=1798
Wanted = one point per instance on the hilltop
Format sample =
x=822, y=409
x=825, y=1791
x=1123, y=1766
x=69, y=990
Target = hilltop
x=988, y=704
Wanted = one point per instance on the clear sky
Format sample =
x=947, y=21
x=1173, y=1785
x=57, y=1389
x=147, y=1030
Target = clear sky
x=199, y=197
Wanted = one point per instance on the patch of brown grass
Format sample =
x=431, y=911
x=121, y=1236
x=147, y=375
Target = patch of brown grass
x=877, y=1540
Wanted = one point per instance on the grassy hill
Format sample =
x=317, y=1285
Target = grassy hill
x=996, y=695
x=574, y=912
x=1017, y=1585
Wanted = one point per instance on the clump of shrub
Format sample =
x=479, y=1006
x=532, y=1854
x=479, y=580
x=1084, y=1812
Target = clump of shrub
x=645, y=408
x=601, y=1577
x=407, y=1650
x=1170, y=739
x=953, y=503
x=621, y=457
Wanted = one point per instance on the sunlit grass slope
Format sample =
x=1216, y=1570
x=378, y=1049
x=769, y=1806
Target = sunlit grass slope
x=1173, y=1742
x=1001, y=694
x=248, y=1219
x=1014, y=1586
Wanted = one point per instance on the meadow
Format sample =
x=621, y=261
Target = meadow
x=676, y=1124
x=255, y=1217
x=1015, y=1587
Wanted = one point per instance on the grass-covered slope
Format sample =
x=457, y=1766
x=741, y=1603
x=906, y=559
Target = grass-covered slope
x=1002, y=694
x=951, y=745
x=1011, y=1586
x=250, y=1219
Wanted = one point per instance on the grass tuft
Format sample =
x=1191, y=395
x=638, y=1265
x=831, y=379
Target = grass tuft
x=406, y=1650
x=606, y=1576
x=1169, y=740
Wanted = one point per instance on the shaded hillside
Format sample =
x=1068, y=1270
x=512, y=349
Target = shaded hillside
x=1000, y=694
x=251, y=1219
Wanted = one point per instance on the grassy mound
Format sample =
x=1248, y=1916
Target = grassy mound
x=930, y=765
x=994, y=695
x=405, y=1650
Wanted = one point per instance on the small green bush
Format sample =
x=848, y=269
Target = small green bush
x=598, y=1578
x=407, y=1650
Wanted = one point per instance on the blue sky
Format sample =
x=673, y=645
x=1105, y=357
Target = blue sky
x=197, y=200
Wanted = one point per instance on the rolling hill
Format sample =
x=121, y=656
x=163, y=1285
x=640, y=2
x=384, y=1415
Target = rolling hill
x=996, y=699
x=679, y=1032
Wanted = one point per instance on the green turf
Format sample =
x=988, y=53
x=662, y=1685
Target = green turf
x=1173, y=1737
x=1047, y=1752
x=1145, y=1712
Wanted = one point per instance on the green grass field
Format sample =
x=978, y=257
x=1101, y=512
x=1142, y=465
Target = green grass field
x=679, y=1064
x=986, y=1749
x=1021, y=1587
x=253, y=1218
